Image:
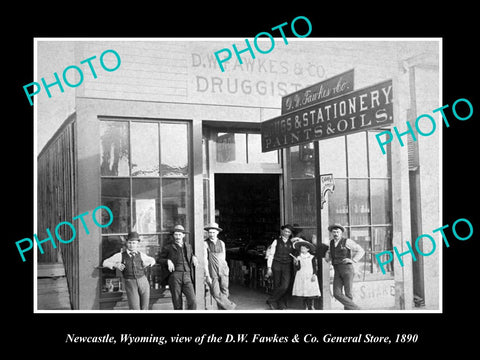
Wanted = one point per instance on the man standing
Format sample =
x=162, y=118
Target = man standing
x=280, y=264
x=180, y=262
x=216, y=268
x=132, y=263
x=343, y=254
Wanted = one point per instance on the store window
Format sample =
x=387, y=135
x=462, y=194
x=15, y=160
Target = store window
x=242, y=148
x=145, y=182
x=302, y=177
x=362, y=198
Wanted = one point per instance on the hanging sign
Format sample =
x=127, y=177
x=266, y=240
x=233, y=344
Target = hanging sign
x=322, y=91
x=327, y=184
x=363, y=109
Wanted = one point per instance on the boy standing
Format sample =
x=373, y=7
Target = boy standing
x=132, y=264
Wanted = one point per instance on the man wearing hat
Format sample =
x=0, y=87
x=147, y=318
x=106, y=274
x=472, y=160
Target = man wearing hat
x=280, y=265
x=343, y=254
x=132, y=264
x=216, y=268
x=180, y=261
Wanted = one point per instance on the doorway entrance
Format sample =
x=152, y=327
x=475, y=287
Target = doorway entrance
x=247, y=208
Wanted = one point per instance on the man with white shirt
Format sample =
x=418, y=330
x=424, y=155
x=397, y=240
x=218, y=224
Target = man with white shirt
x=280, y=265
x=132, y=264
x=343, y=253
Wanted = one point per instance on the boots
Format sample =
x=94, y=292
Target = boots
x=305, y=303
x=309, y=303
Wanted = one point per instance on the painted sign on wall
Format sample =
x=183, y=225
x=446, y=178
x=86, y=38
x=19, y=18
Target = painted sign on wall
x=370, y=295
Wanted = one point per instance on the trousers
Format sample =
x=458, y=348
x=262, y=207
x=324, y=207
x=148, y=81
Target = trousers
x=138, y=293
x=343, y=281
x=282, y=281
x=220, y=293
x=181, y=282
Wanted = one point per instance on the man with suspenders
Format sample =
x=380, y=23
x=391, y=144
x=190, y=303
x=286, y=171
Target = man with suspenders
x=343, y=253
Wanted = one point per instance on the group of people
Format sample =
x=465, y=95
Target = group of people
x=292, y=257
x=291, y=262
x=180, y=261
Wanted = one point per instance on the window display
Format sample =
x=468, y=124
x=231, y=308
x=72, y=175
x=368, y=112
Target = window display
x=145, y=183
x=361, y=200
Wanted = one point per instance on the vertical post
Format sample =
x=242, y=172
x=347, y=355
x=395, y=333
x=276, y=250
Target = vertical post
x=197, y=196
x=287, y=185
x=323, y=273
x=401, y=228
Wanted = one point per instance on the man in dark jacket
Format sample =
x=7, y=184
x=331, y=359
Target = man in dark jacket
x=179, y=258
x=280, y=265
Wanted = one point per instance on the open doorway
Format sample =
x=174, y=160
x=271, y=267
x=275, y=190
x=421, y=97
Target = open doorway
x=247, y=208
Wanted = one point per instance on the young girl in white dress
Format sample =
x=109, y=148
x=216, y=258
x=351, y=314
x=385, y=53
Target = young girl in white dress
x=306, y=283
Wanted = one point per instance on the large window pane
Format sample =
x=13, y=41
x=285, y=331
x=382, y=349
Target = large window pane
x=378, y=161
x=363, y=238
x=302, y=161
x=116, y=195
x=361, y=235
x=114, y=153
x=332, y=157
x=337, y=203
x=359, y=204
x=174, y=149
x=174, y=203
x=303, y=202
x=381, y=202
x=146, y=205
x=357, y=155
x=255, y=154
x=111, y=245
x=149, y=245
x=231, y=147
x=144, y=139
x=382, y=240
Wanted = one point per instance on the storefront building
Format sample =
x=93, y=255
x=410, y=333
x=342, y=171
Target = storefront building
x=169, y=139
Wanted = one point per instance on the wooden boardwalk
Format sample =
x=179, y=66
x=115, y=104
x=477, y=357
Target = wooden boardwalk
x=52, y=288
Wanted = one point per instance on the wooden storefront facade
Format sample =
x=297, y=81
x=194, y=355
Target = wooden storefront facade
x=158, y=159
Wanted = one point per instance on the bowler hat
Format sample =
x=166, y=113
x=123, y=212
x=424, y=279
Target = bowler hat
x=289, y=227
x=178, y=228
x=133, y=236
x=212, y=226
x=336, y=226
x=305, y=243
